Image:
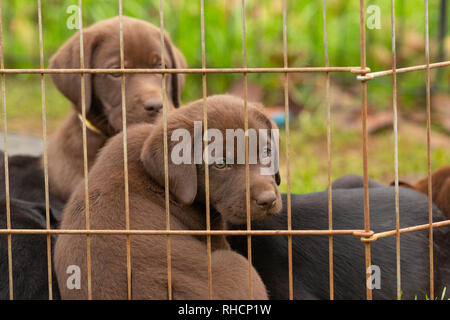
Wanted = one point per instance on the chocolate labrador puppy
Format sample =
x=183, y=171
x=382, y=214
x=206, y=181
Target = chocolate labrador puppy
x=440, y=188
x=310, y=253
x=103, y=102
x=189, y=266
x=142, y=49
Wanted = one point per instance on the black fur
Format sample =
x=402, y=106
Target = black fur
x=27, y=208
x=26, y=181
x=29, y=253
x=351, y=181
x=310, y=253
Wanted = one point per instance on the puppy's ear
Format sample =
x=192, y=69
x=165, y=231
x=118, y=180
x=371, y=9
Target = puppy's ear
x=403, y=183
x=182, y=177
x=277, y=178
x=68, y=57
x=177, y=79
x=442, y=199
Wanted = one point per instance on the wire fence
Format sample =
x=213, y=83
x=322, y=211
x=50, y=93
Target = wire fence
x=363, y=74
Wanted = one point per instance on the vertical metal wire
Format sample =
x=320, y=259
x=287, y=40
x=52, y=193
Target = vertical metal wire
x=205, y=128
x=286, y=111
x=430, y=190
x=365, y=160
x=85, y=159
x=330, y=192
x=45, y=156
x=166, y=152
x=247, y=168
x=125, y=151
x=5, y=137
x=394, y=107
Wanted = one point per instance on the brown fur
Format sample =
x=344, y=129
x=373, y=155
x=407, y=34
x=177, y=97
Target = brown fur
x=147, y=212
x=142, y=49
x=440, y=188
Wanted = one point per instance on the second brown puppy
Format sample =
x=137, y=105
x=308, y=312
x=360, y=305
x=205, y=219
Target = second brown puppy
x=103, y=99
x=440, y=188
x=189, y=262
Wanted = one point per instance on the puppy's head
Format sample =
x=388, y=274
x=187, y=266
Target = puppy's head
x=226, y=158
x=142, y=49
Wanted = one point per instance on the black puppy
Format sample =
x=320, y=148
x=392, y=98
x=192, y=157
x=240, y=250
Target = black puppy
x=26, y=181
x=310, y=253
x=352, y=181
x=29, y=252
x=27, y=207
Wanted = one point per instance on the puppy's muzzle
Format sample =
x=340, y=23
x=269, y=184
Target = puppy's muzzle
x=153, y=105
x=266, y=200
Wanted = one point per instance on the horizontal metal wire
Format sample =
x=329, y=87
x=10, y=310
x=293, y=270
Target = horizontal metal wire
x=356, y=70
x=408, y=229
x=377, y=74
x=355, y=232
x=365, y=73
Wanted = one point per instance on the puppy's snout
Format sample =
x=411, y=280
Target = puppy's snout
x=266, y=200
x=153, y=105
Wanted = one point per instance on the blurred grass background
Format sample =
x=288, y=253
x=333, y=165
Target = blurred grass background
x=264, y=49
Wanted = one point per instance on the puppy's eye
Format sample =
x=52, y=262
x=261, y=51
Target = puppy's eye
x=159, y=66
x=221, y=164
x=115, y=75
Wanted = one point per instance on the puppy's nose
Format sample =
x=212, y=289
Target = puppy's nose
x=266, y=199
x=153, y=105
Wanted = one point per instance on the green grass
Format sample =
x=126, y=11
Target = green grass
x=442, y=296
x=24, y=104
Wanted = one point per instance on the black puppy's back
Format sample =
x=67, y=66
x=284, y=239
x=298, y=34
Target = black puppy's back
x=29, y=253
x=310, y=253
x=27, y=209
x=26, y=181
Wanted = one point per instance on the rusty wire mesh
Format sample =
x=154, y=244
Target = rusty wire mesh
x=363, y=74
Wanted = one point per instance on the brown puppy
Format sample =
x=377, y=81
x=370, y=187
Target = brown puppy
x=142, y=49
x=440, y=188
x=189, y=267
